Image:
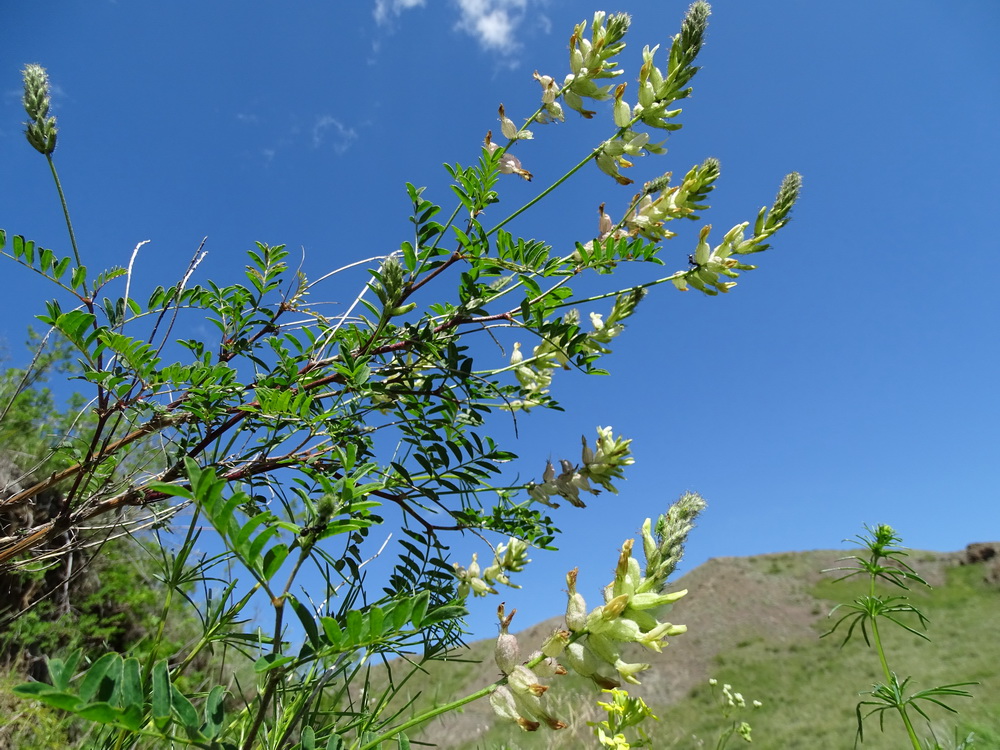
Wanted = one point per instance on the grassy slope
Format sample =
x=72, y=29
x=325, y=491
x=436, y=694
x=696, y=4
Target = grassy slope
x=755, y=623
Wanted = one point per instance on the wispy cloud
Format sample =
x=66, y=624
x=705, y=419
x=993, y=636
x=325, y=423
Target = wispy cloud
x=498, y=26
x=325, y=132
x=327, y=125
x=386, y=10
x=493, y=23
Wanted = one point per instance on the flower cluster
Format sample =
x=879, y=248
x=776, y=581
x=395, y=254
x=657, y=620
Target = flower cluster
x=551, y=110
x=615, y=153
x=730, y=702
x=591, y=644
x=41, y=130
x=633, y=602
x=534, y=374
x=522, y=699
x=709, y=264
x=601, y=464
x=624, y=711
x=590, y=59
x=511, y=557
x=607, y=329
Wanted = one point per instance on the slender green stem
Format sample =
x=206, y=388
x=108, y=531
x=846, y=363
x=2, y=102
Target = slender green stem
x=580, y=165
x=889, y=680
x=432, y=713
x=65, y=208
x=428, y=715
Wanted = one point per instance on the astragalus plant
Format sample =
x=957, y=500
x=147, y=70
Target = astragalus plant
x=291, y=434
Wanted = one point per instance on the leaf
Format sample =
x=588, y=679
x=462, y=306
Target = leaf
x=61, y=671
x=130, y=687
x=161, y=694
x=420, y=603
x=60, y=268
x=376, y=621
x=332, y=630
x=101, y=712
x=101, y=679
x=355, y=626
x=273, y=560
x=307, y=619
x=270, y=661
x=184, y=711
x=44, y=693
x=401, y=613
x=78, y=278
x=215, y=712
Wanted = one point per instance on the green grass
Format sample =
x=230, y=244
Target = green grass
x=810, y=688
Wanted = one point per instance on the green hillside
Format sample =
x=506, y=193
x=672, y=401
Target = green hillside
x=755, y=623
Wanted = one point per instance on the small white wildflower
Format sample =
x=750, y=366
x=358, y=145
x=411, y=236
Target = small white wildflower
x=509, y=129
x=509, y=164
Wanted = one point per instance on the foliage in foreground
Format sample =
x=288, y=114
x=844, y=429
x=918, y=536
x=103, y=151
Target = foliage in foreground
x=292, y=434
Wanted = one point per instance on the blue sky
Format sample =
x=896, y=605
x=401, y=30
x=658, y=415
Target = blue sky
x=850, y=380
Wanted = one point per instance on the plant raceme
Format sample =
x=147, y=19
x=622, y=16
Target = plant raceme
x=592, y=641
x=291, y=434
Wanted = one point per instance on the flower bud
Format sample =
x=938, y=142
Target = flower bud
x=531, y=705
x=576, y=607
x=523, y=680
x=506, y=653
x=554, y=645
x=603, y=648
x=549, y=88
x=585, y=663
x=509, y=129
x=614, y=608
x=547, y=667
x=650, y=600
x=502, y=702
x=622, y=113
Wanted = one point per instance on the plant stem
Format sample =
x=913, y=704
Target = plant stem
x=65, y=208
x=432, y=713
x=580, y=165
x=889, y=678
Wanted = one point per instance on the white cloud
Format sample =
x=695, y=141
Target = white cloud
x=344, y=136
x=497, y=25
x=385, y=10
x=494, y=23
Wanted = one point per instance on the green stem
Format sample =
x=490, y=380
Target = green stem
x=565, y=177
x=580, y=165
x=428, y=715
x=432, y=713
x=889, y=679
x=65, y=208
